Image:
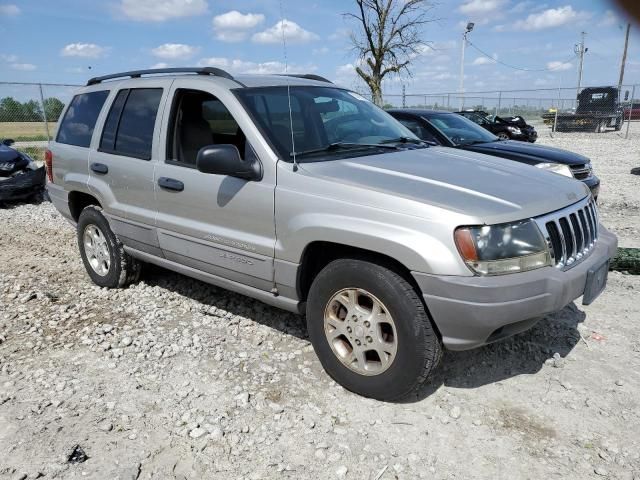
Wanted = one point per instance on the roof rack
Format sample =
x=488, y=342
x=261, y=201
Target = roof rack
x=138, y=73
x=308, y=76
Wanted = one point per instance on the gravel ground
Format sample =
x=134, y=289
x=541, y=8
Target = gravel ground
x=172, y=378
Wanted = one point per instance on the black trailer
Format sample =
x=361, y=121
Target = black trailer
x=598, y=108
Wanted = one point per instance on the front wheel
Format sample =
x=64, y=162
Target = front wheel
x=503, y=136
x=370, y=330
x=103, y=255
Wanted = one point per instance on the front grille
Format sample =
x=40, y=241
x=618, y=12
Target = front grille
x=571, y=233
x=580, y=172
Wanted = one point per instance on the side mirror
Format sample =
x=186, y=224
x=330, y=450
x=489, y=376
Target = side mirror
x=8, y=142
x=626, y=95
x=225, y=160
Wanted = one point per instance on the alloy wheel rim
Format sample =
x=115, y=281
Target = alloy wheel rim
x=96, y=250
x=360, y=331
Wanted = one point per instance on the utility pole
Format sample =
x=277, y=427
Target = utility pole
x=624, y=58
x=580, y=51
x=464, y=43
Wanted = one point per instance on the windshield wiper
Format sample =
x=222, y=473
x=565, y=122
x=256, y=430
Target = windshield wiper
x=341, y=146
x=404, y=140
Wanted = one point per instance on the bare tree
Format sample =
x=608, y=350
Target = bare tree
x=388, y=37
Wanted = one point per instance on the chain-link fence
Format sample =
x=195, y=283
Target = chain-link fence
x=590, y=109
x=29, y=113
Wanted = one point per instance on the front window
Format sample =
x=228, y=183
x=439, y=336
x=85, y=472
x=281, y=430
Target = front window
x=460, y=130
x=322, y=123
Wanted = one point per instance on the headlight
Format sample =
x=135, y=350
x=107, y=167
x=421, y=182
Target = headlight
x=506, y=248
x=558, y=168
x=515, y=130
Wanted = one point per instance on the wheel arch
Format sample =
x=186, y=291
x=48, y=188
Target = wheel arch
x=78, y=201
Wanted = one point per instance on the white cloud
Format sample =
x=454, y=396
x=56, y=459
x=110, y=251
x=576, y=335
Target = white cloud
x=161, y=10
x=550, y=18
x=25, y=67
x=485, y=60
x=9, y=9
x=481, y=7
x=85, y=50
x=557, y=66
x=293, y=33
x=8, y=58
x=609, y=19
x=174, y=51
x=160, y=65
x=234, y=26
x=243, y=66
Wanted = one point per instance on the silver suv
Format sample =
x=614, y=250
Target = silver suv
x=308, y=197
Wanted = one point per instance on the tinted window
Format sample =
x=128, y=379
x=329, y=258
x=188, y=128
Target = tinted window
x=80, y=120
x=111, y=125
x=135, y=131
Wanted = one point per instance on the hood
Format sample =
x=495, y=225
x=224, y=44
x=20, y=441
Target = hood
x=489, y=189
x=538, y=153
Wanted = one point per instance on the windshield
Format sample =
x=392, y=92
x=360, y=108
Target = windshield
x=323, y=118
x=460, y=130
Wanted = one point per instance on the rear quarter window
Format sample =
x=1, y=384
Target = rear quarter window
x=80, y=119
x=131, y=121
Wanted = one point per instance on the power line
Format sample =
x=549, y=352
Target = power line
x=513, y=66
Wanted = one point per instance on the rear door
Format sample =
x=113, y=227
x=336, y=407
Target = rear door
x=122, y=167
x=217, y=224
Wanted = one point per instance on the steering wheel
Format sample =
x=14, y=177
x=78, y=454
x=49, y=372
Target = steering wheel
x=333, y=129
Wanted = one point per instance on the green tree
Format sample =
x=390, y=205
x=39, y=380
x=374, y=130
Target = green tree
x=53, y=108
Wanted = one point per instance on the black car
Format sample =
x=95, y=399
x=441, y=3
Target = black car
x=20, y=176
x=452, y=130
x=506, y=128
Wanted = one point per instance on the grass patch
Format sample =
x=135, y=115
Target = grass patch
x=626, y=260
x=25, y=131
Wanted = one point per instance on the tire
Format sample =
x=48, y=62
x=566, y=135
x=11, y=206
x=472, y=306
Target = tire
x=102, y=253
x=417, y=348
x=600, y=126
x=619, y=122
x=503, y=136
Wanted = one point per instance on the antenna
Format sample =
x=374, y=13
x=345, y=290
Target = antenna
x=286, y=68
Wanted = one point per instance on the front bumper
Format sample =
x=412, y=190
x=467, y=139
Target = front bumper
x=473, y=311
x=22, y=186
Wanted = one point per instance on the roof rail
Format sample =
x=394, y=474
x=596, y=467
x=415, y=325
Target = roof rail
x=308, y=76
x=138, y=73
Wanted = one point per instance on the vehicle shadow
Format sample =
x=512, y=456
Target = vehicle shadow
x=522, y=354
x=213, y=298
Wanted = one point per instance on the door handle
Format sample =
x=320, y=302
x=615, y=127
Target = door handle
x=100, y=168
x=171, y=184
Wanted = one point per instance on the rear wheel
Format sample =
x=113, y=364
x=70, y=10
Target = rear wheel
x=601, y=126
x=370, y=330
x=102, y=253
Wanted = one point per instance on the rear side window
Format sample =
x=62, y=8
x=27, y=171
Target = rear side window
x=129, y=127
x=78, y=123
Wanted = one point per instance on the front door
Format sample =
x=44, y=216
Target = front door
x=217, y=224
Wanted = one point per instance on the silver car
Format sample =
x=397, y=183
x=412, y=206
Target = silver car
x=306, y=196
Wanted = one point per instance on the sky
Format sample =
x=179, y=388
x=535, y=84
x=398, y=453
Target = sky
x=69, y=41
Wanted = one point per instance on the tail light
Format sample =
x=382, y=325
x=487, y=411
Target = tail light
x=48, y=162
